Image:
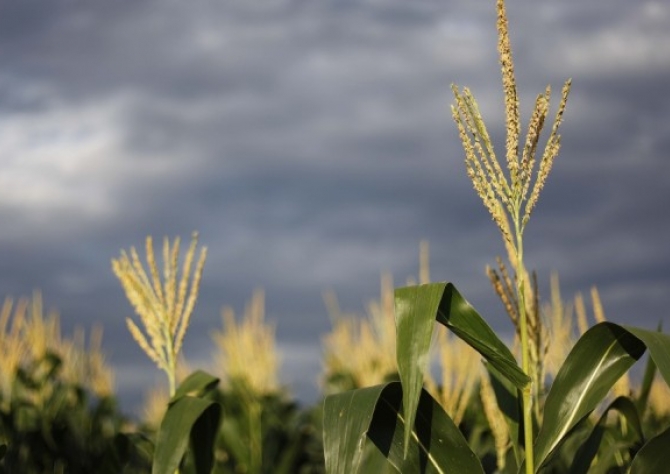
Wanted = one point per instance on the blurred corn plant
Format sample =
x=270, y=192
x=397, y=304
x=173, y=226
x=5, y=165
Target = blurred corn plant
x=460, y=373
x=360, y=351
x=496, y=422
x=263, y=432
x=401, y=426
x=246, y=354
x=27, y=336
x=247, y=358
x=57, y=411
x=658, y=403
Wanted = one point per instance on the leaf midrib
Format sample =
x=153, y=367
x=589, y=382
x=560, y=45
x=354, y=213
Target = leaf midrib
x=581, y=398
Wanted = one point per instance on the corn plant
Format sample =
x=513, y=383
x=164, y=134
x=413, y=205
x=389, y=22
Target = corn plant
x=360, y=352
x=165, y=307
x=247, y=356
x=399, y=426
x=57, y=410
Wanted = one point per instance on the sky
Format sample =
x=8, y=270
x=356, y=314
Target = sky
x=311, y=145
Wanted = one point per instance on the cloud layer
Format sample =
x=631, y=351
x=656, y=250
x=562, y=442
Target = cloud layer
x=311, y=145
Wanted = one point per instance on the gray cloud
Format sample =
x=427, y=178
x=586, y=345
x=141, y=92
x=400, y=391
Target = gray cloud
x=311, y=144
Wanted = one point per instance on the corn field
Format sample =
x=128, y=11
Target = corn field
x=417, y=382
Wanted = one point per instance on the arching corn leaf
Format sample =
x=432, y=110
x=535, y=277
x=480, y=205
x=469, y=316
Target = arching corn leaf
x=354, y=420
x=654, y=456
x=598, y=359
x=196, y=384
x=187, y=419
x=461, y=318
x=585, y=455
x=658, y=344
x=416, y=310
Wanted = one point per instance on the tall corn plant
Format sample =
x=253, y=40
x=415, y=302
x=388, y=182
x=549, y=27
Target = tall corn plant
x=399, y=426
x=164, y=307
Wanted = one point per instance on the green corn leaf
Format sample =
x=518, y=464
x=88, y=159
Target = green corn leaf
x=598, y=359
x=346, y=419
x=645, y=388
x=375, y=461
x=436, y=443
x=196, y=384
x=654, y=456
x=461, y=318
x=659, y=348
x=590, y=447
x=187, y=418
x=133, y=448
x=354, y=419
x=416, y=310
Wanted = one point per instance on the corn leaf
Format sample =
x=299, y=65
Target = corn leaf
x=416, y=310
x=187, y=418
x=654, y=456
x=346, y=419
x=461, y=318
x=659, y=348
x=598, y=359
x=354, y=419
x=196, y=384
x=581, y=464
x=133, y=447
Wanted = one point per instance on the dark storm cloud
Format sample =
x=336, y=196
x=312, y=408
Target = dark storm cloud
x=311, y=144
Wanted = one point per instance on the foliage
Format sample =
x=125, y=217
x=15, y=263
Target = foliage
x=598, y=359
x=191, y=419
x=506, y=196
x=52, y=425
x=409, y=428
x=360, y=352
x=57, y=411
x=290, y=438
x=568, y=407
x=247, y=425
x=27, y=336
